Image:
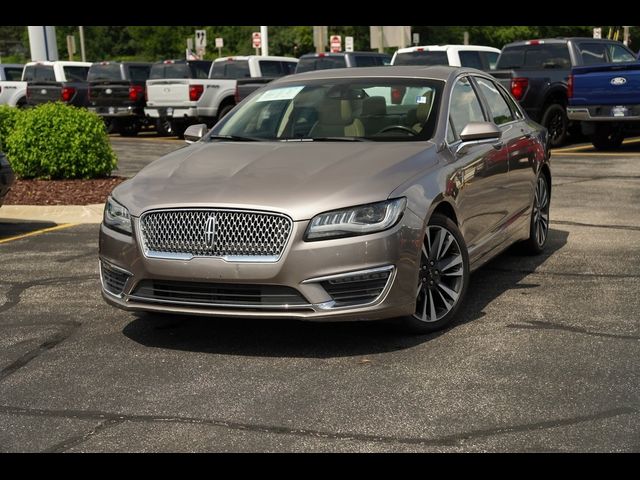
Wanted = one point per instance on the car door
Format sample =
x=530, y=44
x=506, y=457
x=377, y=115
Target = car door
x=517, y=138
x=480, y=174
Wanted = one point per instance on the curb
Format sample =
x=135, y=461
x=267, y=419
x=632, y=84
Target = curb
x=53, y=213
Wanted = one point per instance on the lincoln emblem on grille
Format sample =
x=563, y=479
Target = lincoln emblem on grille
x=210, y=231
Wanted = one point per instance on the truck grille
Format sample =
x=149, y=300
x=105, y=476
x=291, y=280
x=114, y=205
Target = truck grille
x=219, y=295
x=230, y=234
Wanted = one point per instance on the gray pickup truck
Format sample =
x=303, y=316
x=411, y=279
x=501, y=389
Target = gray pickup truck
x=57, y=81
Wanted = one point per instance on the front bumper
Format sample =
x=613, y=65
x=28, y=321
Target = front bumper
x=302, y=267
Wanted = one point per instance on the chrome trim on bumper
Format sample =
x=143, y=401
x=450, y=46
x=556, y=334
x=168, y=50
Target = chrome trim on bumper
x=583, y=114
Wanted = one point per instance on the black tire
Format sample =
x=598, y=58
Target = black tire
x=22, y=103
x=226, y=109
x=607, y=138
x=555, y=121
x=178, y=128
x=129, y=129
x=164, y=127
x=428, y=274
x=533, y=245
x=111, y=125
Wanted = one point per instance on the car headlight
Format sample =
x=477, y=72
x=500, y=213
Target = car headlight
x=359, y=220
x=117, y=217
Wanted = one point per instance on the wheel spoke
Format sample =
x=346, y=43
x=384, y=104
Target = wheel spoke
x=456, y=273
x=457, y=260
x=453, y=295
x=424, y=309
x=433, y=316
x=446, y=246
x=446, y=304
x=424, y=252
x=435, y=245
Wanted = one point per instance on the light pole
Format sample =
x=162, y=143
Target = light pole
x=264, y=36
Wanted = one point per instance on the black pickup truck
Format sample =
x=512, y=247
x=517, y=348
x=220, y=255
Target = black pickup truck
x=537, y=72
x=117, y=94
x=57, y=82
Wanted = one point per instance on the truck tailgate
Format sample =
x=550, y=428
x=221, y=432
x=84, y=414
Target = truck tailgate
x=44, y=92
x=109, y=93
x=167, y=93
x=615, y=84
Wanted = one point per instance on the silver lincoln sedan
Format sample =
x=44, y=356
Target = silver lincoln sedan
x=347, y=194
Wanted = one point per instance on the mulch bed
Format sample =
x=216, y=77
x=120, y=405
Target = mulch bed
x=61, y=192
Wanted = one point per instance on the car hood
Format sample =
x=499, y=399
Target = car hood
x=300, y=179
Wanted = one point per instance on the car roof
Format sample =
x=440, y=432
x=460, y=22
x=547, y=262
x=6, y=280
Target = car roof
x=342, y=54
x=64, y=63
x=444, y=48
x=259, y=57
x=558, y=40
x=437, y=72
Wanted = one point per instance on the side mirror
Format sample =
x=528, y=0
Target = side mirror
x=195, y=133
x=478, y=133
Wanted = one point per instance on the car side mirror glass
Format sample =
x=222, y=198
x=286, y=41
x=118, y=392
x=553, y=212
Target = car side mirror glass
x=195, y=133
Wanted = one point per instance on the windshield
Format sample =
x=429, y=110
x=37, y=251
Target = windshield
x=344, y=109
x=424, y=57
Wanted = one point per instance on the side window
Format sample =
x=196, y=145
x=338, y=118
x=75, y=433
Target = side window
x=465, y=106
x=139, y=73
x=270, y=68
x=470, y=59
x=618, y=53
x=490, y=59
x=515, y=109
x=29, y=74
x=500, y=111
x=593, y=53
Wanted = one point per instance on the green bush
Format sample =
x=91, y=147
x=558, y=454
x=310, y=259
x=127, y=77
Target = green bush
x=55, y=140
x=8, y=118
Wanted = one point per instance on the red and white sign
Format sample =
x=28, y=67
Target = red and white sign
x=336, y=43
x=256, y=39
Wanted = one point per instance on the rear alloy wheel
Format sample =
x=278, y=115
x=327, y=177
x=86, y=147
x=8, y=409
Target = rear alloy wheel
x=556, y=122
x=443, y=276
x=539, y=229
x=607, y=138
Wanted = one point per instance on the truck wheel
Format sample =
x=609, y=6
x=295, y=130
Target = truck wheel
x=164, y=127
x=110, y=125
x=226, y=109
x=555, y=121
x=129, y=129
x=607, y=138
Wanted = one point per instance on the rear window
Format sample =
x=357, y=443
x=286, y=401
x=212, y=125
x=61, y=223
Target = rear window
x=367, y=61
x=471, y=59
x=535, y=57
x=39, y=73
x=422, y=58
x=180, y=70
x=310, y=64
x=139, y=73
x=13, y=74
x=108, y=72
x=232, y=69
x=593, y=53
x=76, y=74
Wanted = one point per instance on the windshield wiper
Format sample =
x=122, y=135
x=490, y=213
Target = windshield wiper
x=339, y=139
x=235, y=138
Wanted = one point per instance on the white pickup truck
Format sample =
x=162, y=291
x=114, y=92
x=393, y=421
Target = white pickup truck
x=13, y=91
x=176, y=103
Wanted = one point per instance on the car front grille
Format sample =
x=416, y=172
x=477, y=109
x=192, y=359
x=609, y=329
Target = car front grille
x=357, y=289
x=234, y=235
x=219, y=295
x=113, y=280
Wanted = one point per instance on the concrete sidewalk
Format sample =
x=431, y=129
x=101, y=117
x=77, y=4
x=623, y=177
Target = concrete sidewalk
x=54, y=213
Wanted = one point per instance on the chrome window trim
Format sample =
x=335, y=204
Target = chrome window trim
x=453, y=85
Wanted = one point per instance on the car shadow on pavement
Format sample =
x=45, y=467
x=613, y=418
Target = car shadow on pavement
x=291, y=338
x=13, y=228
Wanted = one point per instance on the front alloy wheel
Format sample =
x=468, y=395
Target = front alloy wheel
x=539, y=228
x=442, y=278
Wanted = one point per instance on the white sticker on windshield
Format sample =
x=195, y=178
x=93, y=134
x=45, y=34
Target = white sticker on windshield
x=421, y=99
x=284, y=93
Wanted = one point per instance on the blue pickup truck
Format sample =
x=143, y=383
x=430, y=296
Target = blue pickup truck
x=606, y=100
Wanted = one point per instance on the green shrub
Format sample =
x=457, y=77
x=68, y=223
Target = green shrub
x=8, y=118
x=55, y=140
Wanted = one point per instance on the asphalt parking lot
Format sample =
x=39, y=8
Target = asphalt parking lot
x=544, y=356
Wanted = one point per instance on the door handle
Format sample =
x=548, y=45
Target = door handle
x=498, y=145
